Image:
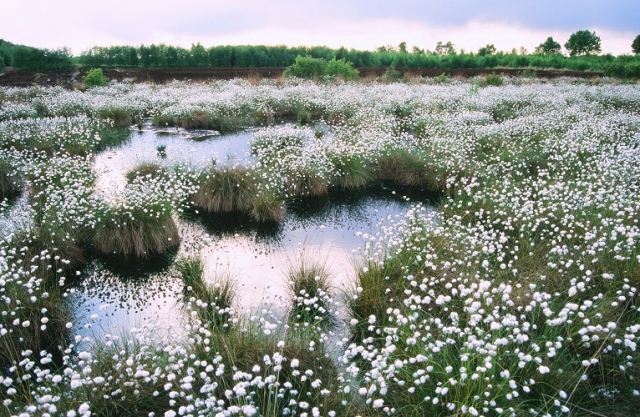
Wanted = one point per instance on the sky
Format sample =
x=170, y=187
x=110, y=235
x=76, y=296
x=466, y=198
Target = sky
x=359, y=24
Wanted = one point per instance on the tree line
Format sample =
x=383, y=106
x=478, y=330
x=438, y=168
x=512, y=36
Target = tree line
x=27, y=58
x=583, y=48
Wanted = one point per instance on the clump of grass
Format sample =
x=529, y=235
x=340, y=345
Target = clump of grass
x=135, y=231
x=119, y=116
x=146, y=170
x=410, y=169
x=49, y=252
x=350, y=170
x=121, y=390
x=295, y=370
x=162, y=151
x=225, y=190
x=8, y=180
x=309, y=286
x=214, y=301
x=376, y=289
x=306, y=183
x=199, y=119
x=267, y=206
x=42, y=328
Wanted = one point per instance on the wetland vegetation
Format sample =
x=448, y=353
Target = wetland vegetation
x=517, y=295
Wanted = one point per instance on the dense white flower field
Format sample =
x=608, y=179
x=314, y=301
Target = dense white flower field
x=520, y=297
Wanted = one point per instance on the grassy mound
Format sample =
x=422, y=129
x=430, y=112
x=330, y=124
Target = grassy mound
x=135, y=231
x=225, y=190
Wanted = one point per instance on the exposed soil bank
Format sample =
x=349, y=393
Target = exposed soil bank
x=162, y=75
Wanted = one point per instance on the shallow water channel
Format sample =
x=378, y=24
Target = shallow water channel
x=113, y=295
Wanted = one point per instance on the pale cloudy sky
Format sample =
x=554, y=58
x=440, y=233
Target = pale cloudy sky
x=360, y=24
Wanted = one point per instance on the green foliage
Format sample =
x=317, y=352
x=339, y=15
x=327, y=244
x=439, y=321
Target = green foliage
x=490, y=49
x=583, y=42
x=392, y=75
x=494, y=79
x=635, y=45
x=443, y=78
x=340, y=68
x=307, y=67
x=546, y=55
x=548, y=47
x=445, y=49
x=25, y=58
x=95, y=78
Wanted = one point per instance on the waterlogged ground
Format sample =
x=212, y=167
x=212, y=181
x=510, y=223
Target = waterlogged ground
x=331, y=229
x=521, y=299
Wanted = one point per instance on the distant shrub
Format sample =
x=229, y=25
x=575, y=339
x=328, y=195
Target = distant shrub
x=494, y=79
x=341, y=69
x=615, y=69
x=443, y=78
x=306, y=67
x=392, y=75
x=95, y=77
x=633, y=69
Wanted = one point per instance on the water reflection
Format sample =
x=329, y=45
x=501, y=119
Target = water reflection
x=331, y=229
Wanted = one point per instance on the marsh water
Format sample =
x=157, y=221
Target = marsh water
x=114, y=294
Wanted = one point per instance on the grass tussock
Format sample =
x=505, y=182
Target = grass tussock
x=8, y=181
x=376, y=289
x=119, y=116
x=234, y=190
x=307, y=184
x=267, y=207
x=291, y=367
x=136, y=233
x=146, y=170
x=410, y=169
x=42, y=333
x=309, y=287
x=351, y=171
x=212, y=300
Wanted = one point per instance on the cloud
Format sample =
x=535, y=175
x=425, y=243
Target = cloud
x=361, y=24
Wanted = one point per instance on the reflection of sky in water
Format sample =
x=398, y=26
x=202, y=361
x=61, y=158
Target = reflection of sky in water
x=327, y=229
x=112, y=165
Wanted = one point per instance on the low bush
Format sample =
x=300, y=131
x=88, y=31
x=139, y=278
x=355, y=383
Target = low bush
x=307, y=67
x=339, y=68
x=494, y=80
x=95, y=78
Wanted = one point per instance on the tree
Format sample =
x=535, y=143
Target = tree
x=95, y=78
x=583, y=42
x=306, y=67
x=635, y=46
x=340, y=68
x=447, y=49
x=548, y=47
x=490, y=49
